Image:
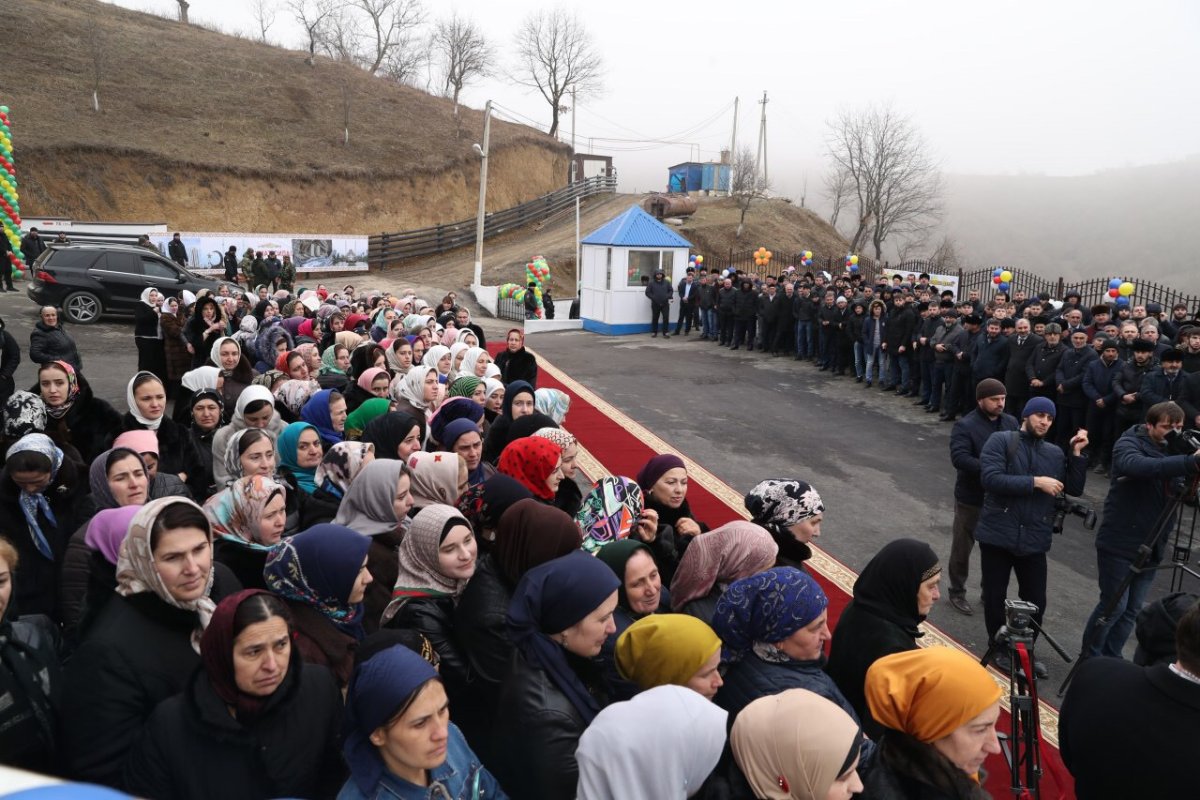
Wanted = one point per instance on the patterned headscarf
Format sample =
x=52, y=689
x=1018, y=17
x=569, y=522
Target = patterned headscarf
x=341, y=465
x=464, y=386
x=295, y=393
x=434, y=478
x=610, y=512
x=233, y=459
x=531, y=460
x=419, y=574
x=554, y=403
x=783, y=502
x=367, y=506
x=269, y=378
x=558, y=436
x=31, y=504
x=136, y=572
x=766, y=608
x=236, y=512
x=329, y=361
x=485, y=503
x=58, y=412
x=731, y=552
x=318, y=567
x=24, y=412
x=410, y=387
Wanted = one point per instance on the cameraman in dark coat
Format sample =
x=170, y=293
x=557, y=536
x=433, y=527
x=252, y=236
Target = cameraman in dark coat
x=1022, y=475
x=1146, y=479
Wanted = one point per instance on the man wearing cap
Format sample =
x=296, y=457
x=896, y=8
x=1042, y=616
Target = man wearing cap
x=1022, y=473
x=960, y=393
x=726, y=297
x=1098, y=387
x=1128, y=385
x=1171, y=327
x=660, y=293
x=966, y=443
x=1165, y=382
x=947, y=342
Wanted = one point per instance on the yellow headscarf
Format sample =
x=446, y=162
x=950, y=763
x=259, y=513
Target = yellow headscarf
x=662, y=649
x=928, y=692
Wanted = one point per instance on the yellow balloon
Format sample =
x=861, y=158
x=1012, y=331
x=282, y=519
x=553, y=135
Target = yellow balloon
x=1125, y=289
x=1006, y=276
x=853, y=259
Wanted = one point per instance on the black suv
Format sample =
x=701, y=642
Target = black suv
x=87, y=280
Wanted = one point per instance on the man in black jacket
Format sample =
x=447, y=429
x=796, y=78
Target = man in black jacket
x=1117, y=715
x=177, y=252
x=966, y=442
x=725, y=300
x=1022, y=344
x=1043, y=364
x=660, y=294
x=1128, y=385
x=230, y=262
x=708, y=307
x=689, y=299
x=902, y=323
x=32, y=246
x=768, y=308
x=1166, y=382
x=745, y=309
x=1072, y=404
x=804, y=310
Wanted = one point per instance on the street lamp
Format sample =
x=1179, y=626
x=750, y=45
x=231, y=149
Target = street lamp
x=482, y=153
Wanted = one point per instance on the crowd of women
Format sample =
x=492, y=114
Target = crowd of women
x=357, y=559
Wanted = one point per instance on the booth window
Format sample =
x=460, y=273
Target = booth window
x=644, y=263
x=608, y=268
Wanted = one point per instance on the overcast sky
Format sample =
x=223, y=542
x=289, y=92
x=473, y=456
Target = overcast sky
x=1061, y=87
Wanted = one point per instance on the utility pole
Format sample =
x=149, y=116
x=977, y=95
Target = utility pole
x=761, y=156
x=732, y=147
x=482, y=152
x=574, y=177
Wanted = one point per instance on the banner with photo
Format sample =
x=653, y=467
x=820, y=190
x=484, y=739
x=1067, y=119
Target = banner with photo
x=309, y=252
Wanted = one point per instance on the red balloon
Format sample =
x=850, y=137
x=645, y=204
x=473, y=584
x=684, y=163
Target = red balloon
x=1113, y=293
x=996, y=280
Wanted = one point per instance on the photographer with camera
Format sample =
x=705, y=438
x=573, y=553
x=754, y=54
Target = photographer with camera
x=1147, y=479
x=1023, y=476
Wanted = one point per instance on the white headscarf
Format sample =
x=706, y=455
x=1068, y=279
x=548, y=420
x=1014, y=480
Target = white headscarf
x=214, y=355
x=200, y=378
x=662, y=744
x=410, y=387
x=151, y=424
x=435, y=354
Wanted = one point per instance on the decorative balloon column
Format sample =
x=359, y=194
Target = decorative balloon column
x=851, y=262
x=10, y=205
x=537, y=272
x=762, y=257
x=1120, y=291
x=1002, y=278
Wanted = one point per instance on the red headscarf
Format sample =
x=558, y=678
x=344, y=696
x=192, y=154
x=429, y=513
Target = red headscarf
x=216, y=653
x=305, y=328
x=530, y=461
x=281, y=363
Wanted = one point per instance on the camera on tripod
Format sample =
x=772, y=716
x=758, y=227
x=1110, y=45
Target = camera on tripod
x=1183, y=443
x=1018, y=618
x=1063, y=505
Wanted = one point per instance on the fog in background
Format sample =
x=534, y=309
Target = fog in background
x=1069, y=132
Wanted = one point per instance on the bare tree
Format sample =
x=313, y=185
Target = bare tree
x=837, y=190
x=264, y=12
x=97, y=46
x=408, y=64
x=390, y=26
x=183, y=9
x=346, y=86
x=892, y=177
x=341, y=34
x=313, y=16
x=746, y=184
x=945, y=258
x=463, y=54
x=556, y=56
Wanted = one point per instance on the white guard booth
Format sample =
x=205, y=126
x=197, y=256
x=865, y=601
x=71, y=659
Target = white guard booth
x=613, y=261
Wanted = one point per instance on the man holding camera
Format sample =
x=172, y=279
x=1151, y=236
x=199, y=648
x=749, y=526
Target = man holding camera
x=1023, y=477
x=1146, y=481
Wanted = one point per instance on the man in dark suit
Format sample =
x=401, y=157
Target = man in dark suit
x=1129, y=731
x=1021, y=346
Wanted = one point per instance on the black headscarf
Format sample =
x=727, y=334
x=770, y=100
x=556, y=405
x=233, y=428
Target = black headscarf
x=388, y=431
x=887, y=586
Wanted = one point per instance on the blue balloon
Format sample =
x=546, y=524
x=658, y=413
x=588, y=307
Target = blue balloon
x=997, y=272
x=1115, y=283
x=1004, y=286
x=1122, y=301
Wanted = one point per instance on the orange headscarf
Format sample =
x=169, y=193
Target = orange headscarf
x=928, y=692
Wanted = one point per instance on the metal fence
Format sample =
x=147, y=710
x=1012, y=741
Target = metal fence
x=392, y=249
x=514, y=310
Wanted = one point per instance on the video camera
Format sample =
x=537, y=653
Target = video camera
x=1018, y=618
x=1183, y=443
x=1063, y=505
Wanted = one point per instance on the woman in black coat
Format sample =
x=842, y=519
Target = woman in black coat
x=892, y=596
x=254, y=723
x=74, y=414
x=515, y=362
x=205, y=327
x=147, y=334
x=142, y=646
x=49, y=341
x=147, y=399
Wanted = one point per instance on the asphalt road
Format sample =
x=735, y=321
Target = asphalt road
x=881, y=465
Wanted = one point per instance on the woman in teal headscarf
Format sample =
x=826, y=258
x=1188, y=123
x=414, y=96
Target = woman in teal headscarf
x=300, y=453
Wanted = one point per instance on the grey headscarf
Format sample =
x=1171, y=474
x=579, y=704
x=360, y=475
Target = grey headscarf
x=367, y=506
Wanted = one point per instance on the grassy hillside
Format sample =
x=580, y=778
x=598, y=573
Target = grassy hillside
x=770, y=223
x=212, y=120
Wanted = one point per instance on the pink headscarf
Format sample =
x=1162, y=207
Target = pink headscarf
x=368, y=377
x=139, y=441
x=731, y=552
x=108, y=529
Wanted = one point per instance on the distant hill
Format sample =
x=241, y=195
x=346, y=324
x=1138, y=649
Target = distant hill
x=775, y=223
x=208, y=131
x=1139, y=220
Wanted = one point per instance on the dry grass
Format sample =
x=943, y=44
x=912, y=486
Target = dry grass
x=193, y=97
x=774, y=224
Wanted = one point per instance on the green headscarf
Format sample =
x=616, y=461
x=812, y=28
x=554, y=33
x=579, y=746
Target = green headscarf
x=374, y=408
x=464, y=386
x=329, y=361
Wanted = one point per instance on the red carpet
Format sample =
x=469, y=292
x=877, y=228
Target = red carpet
x=620, y=446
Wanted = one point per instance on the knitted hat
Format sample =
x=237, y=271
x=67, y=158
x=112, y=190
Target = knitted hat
x=1039, y=405
x=656, y=467
x=989, y=387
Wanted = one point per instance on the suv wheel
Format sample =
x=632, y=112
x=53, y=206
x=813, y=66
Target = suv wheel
x=82, y=308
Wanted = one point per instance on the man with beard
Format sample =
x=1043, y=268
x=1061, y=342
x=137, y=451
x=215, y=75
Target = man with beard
x=1042, y=365
x=1128, y=385
x=1021, y=347
x=1102, y=403
x=1165, y=382
x=1022, y=474
x=660, y=293
x=1072, y=403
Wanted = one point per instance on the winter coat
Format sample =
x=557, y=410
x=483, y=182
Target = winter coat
x=901, y=326
x=1156, y=716
x=32, y=679
x=659, y=292
x=460, y=777
x=906, y=769
x=1128, y=380
x=10, y=359
x=1098, y=382
x=725, y=300
x=1069, y=375
x=1019, y=355
x=989, y=358
x=287, y=275
x=752, y=678
x=803, y=308
x=707, y=296
x=953, y=337
x=967, y=438
x=177, y=452
x=1043, y=365
x=192, y=748
x=1157, y=386
x=177, y=252
x=1145, y=480
x=1015, y=516
x=383, y=562
x=36, y=581
x=537, y=732
x=745, y=304
x=1190, y=399
x=259, y=274
x=179, y=360
x=481, y=629
x=48, y=344
x=145, y=322
x=855, y=327
x=693, y=295
x=518, y=366
x=320, y=642
x=32, y=246
x=230, y=262
x=868, y=332
x=89, y=426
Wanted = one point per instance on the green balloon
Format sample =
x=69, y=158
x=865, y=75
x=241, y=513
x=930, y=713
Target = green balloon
x=4, y=109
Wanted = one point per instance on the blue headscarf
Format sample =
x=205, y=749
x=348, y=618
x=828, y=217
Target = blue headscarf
x=380, y=686
x=454, y=409
x=767, y=607
x=289, y=443
x=31, y=504
x=456, y=430
x=549, y=599
x=318, y=567
x=316, y=413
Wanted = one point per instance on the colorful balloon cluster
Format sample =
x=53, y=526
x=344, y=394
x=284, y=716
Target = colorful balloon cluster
x=1002, y=278
x=10, y=205
x=695, y=261
x=762, y=257
x=852, y=262
x=537, y=271
x=806, y=258
x=1120, y=290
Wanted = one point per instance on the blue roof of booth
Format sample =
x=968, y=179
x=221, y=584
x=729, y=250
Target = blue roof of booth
x=635, y=228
